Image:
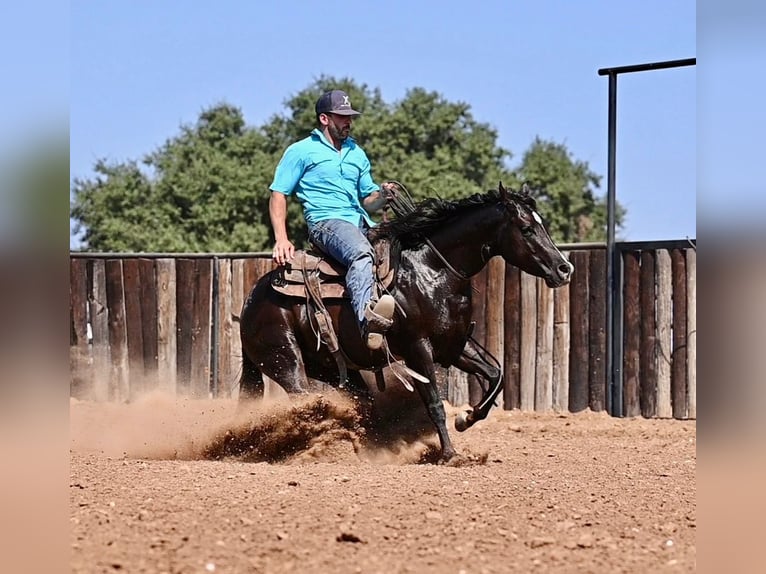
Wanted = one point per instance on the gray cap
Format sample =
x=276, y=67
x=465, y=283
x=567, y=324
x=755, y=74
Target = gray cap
x=335, y=102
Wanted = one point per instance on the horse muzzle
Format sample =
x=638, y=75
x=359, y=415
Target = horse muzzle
x=561, y=275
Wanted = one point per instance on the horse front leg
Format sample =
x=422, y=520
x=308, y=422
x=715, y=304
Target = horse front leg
x=472, y=360
x=422, y=361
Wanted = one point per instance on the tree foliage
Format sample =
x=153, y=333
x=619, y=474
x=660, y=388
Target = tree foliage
x=206, y=188
x=564, y=189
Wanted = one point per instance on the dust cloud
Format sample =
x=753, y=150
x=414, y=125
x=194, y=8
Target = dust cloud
x=312, y=428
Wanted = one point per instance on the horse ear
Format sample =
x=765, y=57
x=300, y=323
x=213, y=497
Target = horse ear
x=525, y=189
x=503, y=191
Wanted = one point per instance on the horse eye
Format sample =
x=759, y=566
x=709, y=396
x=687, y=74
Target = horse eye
x=527, y=230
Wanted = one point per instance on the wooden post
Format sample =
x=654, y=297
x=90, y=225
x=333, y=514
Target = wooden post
x=544, y=354
x=200, y=359
x=495, y=298
x=118, y=339
x=691, y=329
x=597, y=334
x=561, y=349
x=528, y=341
x=479, y=315
x=99, y=323
x=132, y=290
x=81, y=376
x=512, y=343
x=631, y=333
x=678, y=368
x=225, y=329
x=149, y=336
x=664, y=338
x=579, y=364
x=185, y=281
x=237, y=291
x=648, y=345
x=167, y=359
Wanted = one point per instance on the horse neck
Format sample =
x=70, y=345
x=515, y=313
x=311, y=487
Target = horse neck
x=468, y=242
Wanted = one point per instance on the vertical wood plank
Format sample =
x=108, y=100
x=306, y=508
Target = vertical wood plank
x=184, y=323
x=167, y=359
x=528, y=341
x=225, y=329
x=495, y=311
x=512, y=343
x=544, y=356
x=99, y=322
x=664, y=334
x=237, y=299
x=579, y=363
x=78, y=297
x=81, y=375
x=148, y=305
x=631, y=333
x=200, y=360
x=678, y=366
x=132, y=291
x=597, y=334
x=691, y=330
x=561, y=349
x=118, y=339
x=479, y=316
x=648, y=346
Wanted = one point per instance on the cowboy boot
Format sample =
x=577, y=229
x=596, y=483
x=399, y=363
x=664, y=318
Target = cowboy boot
x=378, y=318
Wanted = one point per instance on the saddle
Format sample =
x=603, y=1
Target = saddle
x=311, y=274
x=314, y=277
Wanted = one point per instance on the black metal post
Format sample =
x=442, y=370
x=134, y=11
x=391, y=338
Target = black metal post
x=613, y=369
x=614, y=298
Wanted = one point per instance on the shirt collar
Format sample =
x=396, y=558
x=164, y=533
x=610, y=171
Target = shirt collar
x=348, y=142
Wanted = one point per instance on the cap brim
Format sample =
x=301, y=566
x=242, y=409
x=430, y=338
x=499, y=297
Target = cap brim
x=345, y=112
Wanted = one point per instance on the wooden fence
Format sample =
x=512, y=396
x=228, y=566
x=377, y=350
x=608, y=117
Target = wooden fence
x=139, y=323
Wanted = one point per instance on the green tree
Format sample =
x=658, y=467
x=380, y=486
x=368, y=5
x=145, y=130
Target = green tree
x=206, y=188
x=565, y=192
x=202, y=194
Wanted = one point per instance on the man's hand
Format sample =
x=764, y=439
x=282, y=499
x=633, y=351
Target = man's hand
x=284, y=250
x=388, y=189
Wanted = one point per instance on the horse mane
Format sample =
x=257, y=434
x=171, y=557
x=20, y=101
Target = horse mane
x=411, y=230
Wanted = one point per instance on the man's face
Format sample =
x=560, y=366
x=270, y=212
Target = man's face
x=339, y=126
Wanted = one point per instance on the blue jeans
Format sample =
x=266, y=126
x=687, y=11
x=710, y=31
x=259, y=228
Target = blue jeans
x=348, y=245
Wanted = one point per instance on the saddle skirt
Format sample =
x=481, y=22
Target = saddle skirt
x=312, y=266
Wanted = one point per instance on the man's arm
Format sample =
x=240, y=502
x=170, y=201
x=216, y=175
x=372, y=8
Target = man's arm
x=377, y=200
x=283, y=247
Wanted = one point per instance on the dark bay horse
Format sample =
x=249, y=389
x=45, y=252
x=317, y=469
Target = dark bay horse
x=435, y=249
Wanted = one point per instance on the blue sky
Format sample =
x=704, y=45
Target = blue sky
x=140, y=69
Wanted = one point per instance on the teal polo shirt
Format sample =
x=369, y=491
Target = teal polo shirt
x=330, y=184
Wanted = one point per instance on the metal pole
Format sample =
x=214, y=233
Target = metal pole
x=613, y=392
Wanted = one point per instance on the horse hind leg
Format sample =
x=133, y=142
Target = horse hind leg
x=251, y=385
x=473, y=362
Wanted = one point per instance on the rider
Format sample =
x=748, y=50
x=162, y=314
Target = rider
x=330, y=176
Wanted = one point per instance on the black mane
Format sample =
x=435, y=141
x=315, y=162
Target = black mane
x=411, y=230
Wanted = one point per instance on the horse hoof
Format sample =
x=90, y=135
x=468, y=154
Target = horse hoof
x=462, y=421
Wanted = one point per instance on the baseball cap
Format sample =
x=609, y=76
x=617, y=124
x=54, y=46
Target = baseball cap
x=335, y=102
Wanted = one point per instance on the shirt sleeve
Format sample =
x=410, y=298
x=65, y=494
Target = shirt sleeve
x=366, y=183
x=289, y=171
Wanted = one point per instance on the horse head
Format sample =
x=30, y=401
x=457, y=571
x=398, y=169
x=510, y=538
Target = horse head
x=524, y=241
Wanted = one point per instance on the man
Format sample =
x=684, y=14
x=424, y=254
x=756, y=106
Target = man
x=330, y=175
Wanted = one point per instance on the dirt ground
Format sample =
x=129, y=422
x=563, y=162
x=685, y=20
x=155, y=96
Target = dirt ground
x=171, y=485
